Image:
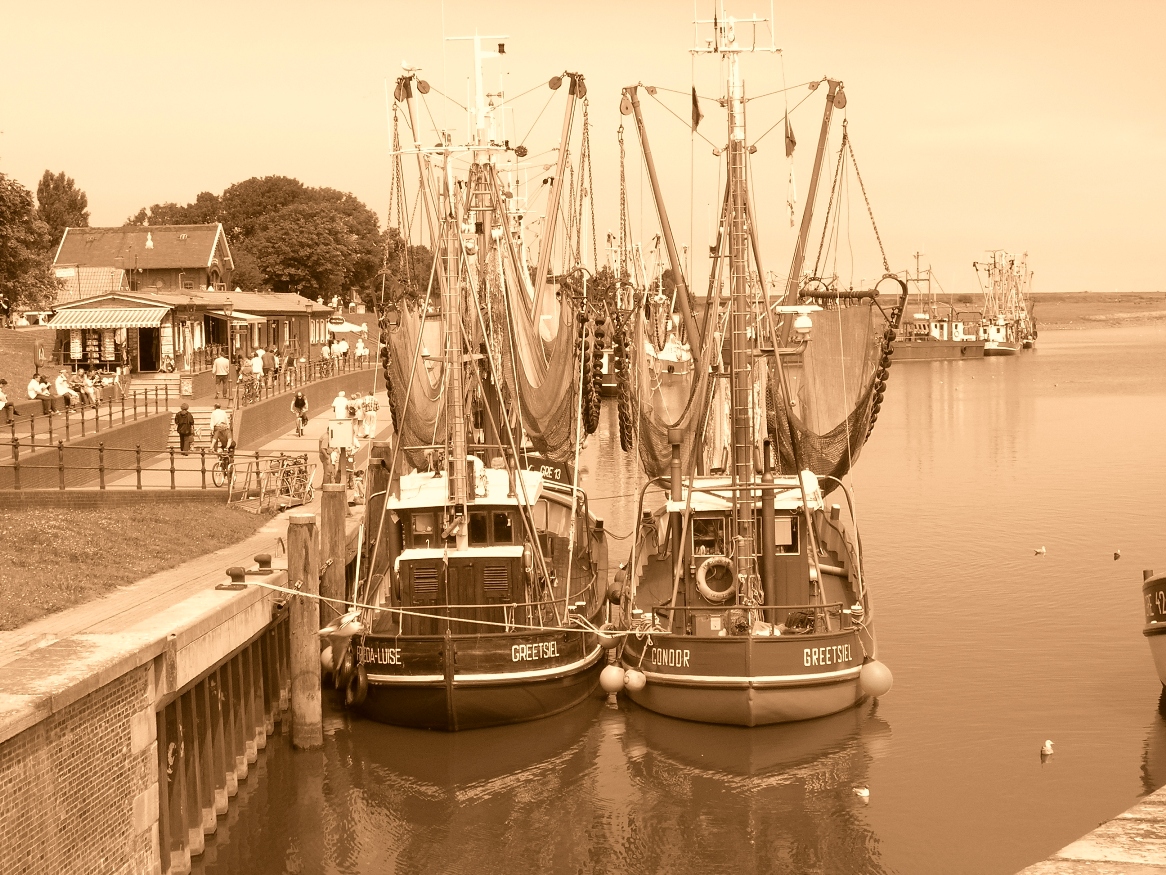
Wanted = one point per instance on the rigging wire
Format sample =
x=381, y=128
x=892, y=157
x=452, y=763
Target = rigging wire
x=687, y=124
x=788, y=112
x=536, y=118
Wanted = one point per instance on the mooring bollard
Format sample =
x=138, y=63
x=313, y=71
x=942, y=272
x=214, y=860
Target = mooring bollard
x=333, y=507
x=303, y=562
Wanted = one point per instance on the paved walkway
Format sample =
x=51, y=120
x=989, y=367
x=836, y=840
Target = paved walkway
x=188, y=470
x=127, y=606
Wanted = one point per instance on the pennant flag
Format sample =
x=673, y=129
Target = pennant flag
x=697, y=115
x=790, y=140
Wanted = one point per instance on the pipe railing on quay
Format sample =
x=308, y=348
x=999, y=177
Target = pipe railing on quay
x=107, y=465
x=253, y=388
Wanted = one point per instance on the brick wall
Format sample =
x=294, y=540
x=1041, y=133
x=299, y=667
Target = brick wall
x=78, y=791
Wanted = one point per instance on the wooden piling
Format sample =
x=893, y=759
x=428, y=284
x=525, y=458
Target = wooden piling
x=303, y=574
x=333, y=508
x=207, y=784
x=172, y=813
x=223, y=775
x=238, y=719
x=191, y=774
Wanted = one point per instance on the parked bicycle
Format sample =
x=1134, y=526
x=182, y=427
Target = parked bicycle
x=250, y=391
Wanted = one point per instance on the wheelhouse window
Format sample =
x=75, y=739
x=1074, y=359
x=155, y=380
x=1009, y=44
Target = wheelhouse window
x=708, y=536
x=503, y=527
x=423, y=529
x=479, y=530
x=785, y=534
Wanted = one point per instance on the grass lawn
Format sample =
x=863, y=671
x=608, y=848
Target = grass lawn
x=57, y=557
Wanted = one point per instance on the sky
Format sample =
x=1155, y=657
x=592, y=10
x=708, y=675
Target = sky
x=1027, y=126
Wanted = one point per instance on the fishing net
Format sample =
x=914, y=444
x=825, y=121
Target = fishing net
x=834, y=387
x=418, y=411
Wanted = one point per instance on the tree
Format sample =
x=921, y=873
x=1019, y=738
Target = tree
x=247, y=205
x=61, y=204
x=204, y=211
x=26, y=276
x=306, y=248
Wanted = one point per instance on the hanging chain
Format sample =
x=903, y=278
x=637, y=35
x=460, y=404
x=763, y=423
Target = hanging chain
x=623, y=209
x=830, y=202
x=869, y=212
x=590, y=191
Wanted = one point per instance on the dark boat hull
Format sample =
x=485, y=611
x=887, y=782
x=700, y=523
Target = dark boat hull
x=750, y=680
x=471, y=682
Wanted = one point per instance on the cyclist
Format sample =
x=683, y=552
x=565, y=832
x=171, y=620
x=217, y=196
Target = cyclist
x=299, y=407
x=220, y=429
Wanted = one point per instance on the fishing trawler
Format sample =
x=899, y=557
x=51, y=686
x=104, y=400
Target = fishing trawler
x=936, y=330
x=488, y=578
x=1154, y=603
x=745, y=598
x=1008, y=325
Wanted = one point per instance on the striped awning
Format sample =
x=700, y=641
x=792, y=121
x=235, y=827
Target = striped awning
x=110, y=317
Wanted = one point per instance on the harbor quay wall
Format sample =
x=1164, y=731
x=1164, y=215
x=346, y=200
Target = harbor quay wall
x=81, y=455
x=258, y=423
x=123, y=746
x=100, y=737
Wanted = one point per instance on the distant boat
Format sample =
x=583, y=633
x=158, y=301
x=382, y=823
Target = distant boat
x=935, y=330
x=1008, y=322
x=1154, y=602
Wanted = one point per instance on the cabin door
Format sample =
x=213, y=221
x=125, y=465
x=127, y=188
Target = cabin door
x=149, y=345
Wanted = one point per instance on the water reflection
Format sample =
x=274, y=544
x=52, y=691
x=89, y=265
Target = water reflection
x=1154, y=753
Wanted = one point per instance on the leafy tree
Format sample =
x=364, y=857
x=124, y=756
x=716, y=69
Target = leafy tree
x=203, y=211
x=246, y=206
x=305, y=248
x=405, y=271
x=61, y=204
x=26, y=276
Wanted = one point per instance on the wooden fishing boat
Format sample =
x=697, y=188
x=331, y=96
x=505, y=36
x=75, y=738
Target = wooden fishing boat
x=1008, y=324
x=936, y=330
x=1154, y=603
x=488, y=576
x=744, y=598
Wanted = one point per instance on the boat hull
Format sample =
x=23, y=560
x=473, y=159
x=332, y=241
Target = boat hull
x=938, y=350
x=1154, y=603
x=751, y=680
x=470, y=682
x=994, y=348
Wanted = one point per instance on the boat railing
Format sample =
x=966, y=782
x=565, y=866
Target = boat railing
x=494, y=617
x=740, y=620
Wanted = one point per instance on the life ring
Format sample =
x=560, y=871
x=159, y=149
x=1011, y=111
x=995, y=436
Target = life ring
x=716, y=596
x=356, y=690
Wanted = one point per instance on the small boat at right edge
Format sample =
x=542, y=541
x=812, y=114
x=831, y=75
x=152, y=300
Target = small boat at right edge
x=1154, y=603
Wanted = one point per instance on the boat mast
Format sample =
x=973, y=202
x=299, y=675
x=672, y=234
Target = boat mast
x=741, y=346
x=835, y=97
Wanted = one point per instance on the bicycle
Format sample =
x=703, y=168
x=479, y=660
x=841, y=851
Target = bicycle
x=249, y=392
x=224, y=469
x=301, y=424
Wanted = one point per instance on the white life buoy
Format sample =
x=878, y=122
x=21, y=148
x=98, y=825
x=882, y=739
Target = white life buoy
x=717, y=596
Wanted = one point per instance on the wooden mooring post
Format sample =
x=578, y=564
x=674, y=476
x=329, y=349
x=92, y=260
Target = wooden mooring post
x=333, y=508
x=303, y=563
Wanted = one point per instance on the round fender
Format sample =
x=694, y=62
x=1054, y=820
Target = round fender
x=356, y=690
x=707, y=592
x=345, y=668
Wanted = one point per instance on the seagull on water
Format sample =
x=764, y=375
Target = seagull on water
x=1047, y=749
x=1116, y=555
x=1040, y=551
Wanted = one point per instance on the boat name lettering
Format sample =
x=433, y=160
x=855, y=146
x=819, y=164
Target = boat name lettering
x=1156, y=604
x=381, y=655
x=671, y=658
x=826, y=655
x=538, y=650
x=552, y=472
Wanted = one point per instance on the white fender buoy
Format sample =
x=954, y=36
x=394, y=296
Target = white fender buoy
x=875, y=679
x=326, y=661
x=606, y=639
x=611, y=679
x=635, y=680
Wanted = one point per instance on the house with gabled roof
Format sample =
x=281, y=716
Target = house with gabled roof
x=173, y=257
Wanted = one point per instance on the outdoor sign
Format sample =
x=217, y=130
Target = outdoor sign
x=341, y=434
x=186, y=385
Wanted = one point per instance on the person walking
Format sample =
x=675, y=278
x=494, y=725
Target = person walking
x=370, y=415
x=222, y=371
x=257, y=367
x=184, y=425
x=340, y=406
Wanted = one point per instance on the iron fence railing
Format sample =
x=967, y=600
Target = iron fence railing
x=102, y=467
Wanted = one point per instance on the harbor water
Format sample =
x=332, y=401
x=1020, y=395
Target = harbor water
x=972, y=468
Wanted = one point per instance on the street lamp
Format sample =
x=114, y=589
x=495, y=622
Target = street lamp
x=308, y=336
